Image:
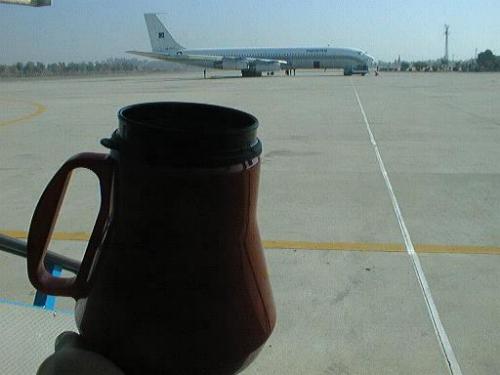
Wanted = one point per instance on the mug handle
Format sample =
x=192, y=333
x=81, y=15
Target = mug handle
x=44, y=219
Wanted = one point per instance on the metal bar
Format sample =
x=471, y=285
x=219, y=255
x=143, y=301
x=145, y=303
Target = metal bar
x=18, y=247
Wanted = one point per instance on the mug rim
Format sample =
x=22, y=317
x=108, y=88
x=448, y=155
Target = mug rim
x=253, y=122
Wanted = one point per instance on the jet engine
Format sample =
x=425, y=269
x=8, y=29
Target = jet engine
x=231, y=64
x=267, y=66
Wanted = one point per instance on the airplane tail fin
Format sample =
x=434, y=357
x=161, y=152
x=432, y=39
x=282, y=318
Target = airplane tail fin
x=161, y=40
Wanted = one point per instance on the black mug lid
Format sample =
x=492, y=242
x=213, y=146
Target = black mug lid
x=186, y=134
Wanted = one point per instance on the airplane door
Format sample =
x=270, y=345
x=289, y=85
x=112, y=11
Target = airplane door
x=316, y=65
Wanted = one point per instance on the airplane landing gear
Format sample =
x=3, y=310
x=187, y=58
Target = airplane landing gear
x=348, y=71
x=250, y=73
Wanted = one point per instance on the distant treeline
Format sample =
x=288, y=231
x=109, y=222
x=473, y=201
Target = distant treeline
x=109, y=66
x=485, y=62
x=488, y=62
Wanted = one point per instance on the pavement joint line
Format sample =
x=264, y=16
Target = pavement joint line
x=446, y=348
x=40, y=108
x=313, y=245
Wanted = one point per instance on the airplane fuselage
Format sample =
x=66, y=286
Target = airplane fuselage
x=296, y=58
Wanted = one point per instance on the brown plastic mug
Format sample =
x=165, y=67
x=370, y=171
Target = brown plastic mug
x=174, y=278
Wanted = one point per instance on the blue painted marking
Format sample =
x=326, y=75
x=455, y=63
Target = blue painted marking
x=4, y=301
x=43, y=300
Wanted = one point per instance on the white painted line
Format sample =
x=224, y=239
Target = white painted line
x=442, y=337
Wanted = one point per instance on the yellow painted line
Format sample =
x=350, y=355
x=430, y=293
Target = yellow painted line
x=380, y=247
x=306, y=245
x=342, y=246
x=457, y=249
x=39, y=109
x=59, y=236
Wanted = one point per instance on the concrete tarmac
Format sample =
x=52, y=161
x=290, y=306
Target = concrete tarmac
x=343, y=311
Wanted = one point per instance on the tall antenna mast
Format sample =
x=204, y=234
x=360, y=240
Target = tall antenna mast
x=446, y=33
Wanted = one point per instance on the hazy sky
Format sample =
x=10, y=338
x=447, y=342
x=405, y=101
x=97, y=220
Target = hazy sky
x=87, y=30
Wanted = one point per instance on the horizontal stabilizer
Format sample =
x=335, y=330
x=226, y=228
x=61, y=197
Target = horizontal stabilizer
x=181, y=58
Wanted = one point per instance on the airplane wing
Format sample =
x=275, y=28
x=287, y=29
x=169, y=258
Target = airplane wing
x=267, y=61
x=218, y=62
x=180, y=58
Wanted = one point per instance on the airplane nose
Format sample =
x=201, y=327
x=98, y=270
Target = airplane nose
x=370, y=59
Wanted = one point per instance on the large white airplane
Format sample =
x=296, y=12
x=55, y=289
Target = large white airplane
x=253, y=61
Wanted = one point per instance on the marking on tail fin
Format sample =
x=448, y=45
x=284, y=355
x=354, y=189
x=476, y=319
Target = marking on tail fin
x=161, y=40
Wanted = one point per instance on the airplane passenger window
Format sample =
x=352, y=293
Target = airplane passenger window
x=305, y=188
